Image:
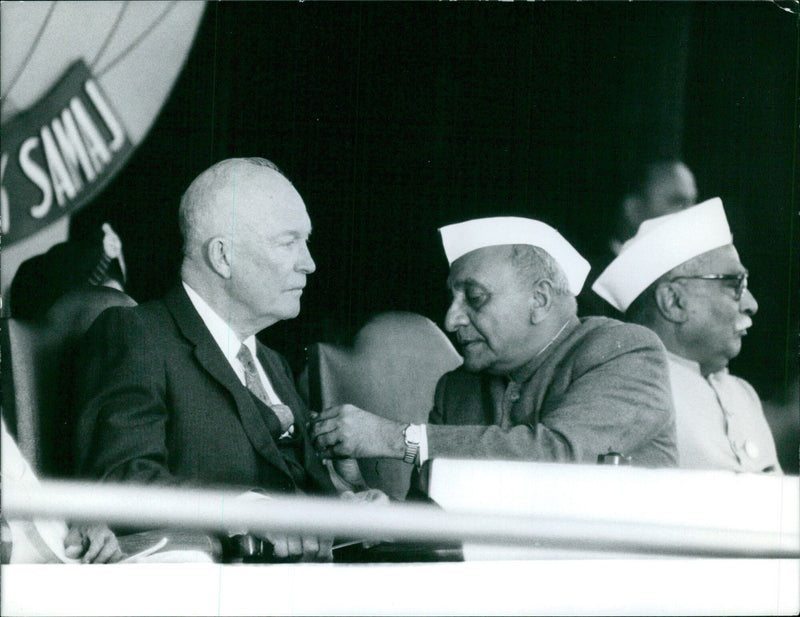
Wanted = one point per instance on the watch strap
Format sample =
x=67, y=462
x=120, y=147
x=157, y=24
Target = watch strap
x=412, y=447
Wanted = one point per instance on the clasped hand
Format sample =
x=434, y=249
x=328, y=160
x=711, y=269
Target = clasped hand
x=92, y=544
x=347, y=431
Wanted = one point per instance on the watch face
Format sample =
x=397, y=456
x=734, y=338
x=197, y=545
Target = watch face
x=413, y=433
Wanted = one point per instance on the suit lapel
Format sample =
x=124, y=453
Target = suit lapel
x=285, y=389
x=210, y=357
x=281, y=382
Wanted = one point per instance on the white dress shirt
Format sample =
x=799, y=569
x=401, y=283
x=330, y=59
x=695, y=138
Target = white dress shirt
x=719, y=420
x=229, y=343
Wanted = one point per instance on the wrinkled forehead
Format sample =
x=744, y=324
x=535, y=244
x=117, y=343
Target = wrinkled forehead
x=722, y=260
x=484, y=266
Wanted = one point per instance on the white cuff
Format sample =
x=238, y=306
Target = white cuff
x=423, y=444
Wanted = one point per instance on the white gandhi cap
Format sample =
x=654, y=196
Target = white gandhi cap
x=661, y=244
x=461, y=238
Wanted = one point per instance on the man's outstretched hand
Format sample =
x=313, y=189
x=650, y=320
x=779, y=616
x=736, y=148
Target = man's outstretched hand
x=346, y=430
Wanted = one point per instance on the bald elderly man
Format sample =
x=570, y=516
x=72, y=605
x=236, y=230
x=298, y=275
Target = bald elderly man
x=179, y=389
x=681, y=276
x=537, y=383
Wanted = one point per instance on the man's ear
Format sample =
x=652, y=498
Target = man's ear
x=218, y=256
x=541, y=300
x=671, y=302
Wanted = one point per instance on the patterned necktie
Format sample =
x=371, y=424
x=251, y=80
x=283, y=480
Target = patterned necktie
x=255, y=386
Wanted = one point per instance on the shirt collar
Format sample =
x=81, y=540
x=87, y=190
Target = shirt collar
x=220, y=331
x=693, y=366
x=534, y=363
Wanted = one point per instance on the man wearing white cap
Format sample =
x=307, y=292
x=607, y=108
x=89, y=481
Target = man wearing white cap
x=537, y=383
x=646, y=190
x=680, y=275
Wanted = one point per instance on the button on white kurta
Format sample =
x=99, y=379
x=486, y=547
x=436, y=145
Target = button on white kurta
x=751, y=448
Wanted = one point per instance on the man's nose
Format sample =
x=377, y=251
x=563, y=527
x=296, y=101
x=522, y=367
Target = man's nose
x=455, y=317
x=305, y=263
x=747, y=303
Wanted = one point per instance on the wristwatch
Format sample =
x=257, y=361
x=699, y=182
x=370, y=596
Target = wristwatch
x=412, y=435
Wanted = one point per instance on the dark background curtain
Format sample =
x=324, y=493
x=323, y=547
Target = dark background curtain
x=393, y=119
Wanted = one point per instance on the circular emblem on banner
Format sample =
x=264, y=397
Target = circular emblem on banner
x=81, y=85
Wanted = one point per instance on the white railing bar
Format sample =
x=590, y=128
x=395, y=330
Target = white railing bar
x=220, y=511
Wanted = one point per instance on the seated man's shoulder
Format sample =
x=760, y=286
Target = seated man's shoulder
x=140, y=320
x=605, y=338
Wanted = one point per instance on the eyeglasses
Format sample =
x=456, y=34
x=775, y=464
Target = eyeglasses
x=741, y=281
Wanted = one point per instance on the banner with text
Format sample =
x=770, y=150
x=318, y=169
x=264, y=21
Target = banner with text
x=58, y=154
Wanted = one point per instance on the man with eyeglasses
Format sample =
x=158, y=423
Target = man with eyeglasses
x=537, y=383
x=681, y=276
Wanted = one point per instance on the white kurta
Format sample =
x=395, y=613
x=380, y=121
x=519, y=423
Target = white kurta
x=719, y=420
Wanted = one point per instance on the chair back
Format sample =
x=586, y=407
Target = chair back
x=391, y=370
x=38, y=373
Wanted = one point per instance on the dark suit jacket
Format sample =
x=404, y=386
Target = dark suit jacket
x=158, y=402
x=603, y=385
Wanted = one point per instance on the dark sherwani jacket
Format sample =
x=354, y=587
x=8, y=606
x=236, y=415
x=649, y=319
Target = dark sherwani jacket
x=158, y=402
x=602, y=385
